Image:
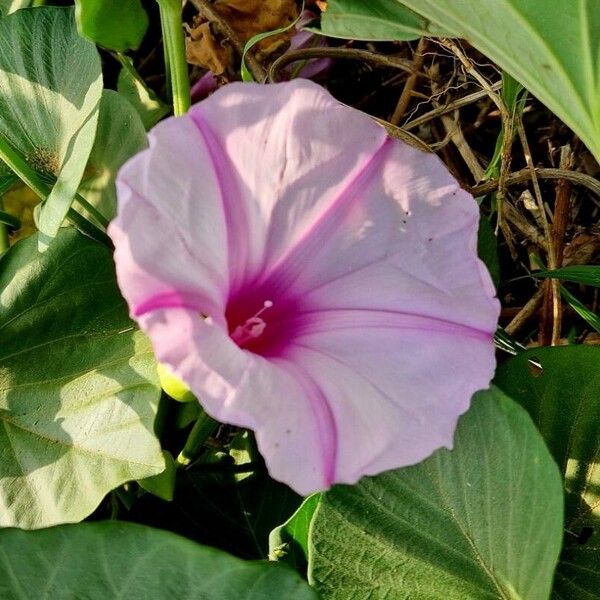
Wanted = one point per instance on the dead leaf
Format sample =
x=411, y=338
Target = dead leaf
x=246, y=18
x=202, y=49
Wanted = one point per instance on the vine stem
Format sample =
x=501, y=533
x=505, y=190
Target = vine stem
x=174, y=47
x=203, y=428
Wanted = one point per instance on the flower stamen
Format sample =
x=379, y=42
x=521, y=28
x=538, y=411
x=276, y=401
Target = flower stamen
x=252, y=328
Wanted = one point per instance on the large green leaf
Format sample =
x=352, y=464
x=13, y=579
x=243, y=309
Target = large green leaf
x=115, y=24
x=552, y=48
x=78, y=384
x=100, y=561
x=560, y=387
x=120, y=135
x=50, y=87
x=481, y=521
x=373, y=20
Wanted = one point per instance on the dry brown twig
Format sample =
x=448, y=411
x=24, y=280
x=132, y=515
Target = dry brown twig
x=551, y=308
x=374, y=58
x=525, y=313
x=409, y=86
x=454, y=132
x=449, y=107
x=524, y=175
x=560, y=223
x=508, y=128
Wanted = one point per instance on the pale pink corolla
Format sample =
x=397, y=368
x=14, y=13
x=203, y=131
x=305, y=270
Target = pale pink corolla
x=309, y=278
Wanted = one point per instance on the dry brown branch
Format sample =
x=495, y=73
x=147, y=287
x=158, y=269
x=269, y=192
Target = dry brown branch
x=524, y=175
x=527, y=230
x=454, y=132
x=560, y=223
x=450, y=107
x=525, y=313
x=409, y=86
x=374, y=58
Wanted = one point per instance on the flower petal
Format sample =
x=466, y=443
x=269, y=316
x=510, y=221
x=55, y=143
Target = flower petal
x=170, y=233
x=405, y=242
x=396, y=384
x=283, y=153
x=294, y=428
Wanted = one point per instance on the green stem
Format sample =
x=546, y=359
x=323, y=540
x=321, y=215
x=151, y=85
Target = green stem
x=92, y=210
x=204, y=427
x=4, y=241
x=88, y=228
x=38, y=3
x=174, y=43
x=29, y=177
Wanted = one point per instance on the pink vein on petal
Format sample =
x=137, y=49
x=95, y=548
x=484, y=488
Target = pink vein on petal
x=166, y=300
x=285, y=271
x=387, y=319
x=324, y=418
x=236, y=219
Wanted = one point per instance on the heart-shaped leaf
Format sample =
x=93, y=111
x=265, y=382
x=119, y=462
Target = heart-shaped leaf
x=481, y=521
x=560, y=388
x=50, y=87
x=97, y=561
x=552, y=48
x=78, y=384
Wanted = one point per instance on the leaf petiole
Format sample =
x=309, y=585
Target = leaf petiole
x=174, y=47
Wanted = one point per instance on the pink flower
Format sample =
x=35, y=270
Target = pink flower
x=309, y=278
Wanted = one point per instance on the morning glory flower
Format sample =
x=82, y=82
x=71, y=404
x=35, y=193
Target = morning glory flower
x=309, y=278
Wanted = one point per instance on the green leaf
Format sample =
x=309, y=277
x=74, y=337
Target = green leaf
x=244, y=71
x=148, y=105
x=560, y=388
x=120, y=135
x=10, y=6
x=585, y=274
x=289, y=542
x=78, y=384
x=97, y=561
x=163, y=484
x=50, y=87
x=487, y=248
x=549, y=47
x=376, y=20
x=231, y=508
x=223, y=500
x=589, y=316
x=115, y=24
x=481, y=521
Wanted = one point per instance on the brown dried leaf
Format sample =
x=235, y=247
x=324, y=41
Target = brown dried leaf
x=202, y=49
x=246, y=18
